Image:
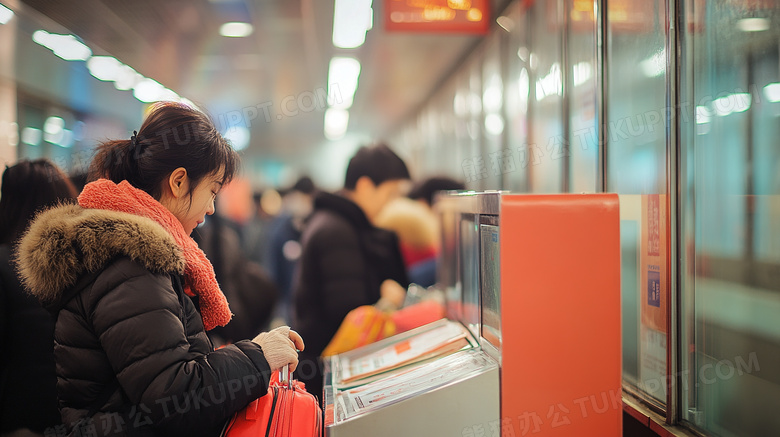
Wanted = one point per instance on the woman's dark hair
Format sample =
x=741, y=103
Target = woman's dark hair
x=378, y=162
x=428, y=187
x=28, y=187
x=173, y=135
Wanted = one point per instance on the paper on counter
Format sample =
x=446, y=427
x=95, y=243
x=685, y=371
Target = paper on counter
x=417, y=380
x=447, y=338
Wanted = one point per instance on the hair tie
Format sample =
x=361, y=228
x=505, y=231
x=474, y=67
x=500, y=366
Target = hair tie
x=134, y=140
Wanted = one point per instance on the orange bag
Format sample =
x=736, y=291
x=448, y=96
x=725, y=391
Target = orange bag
x=288, y=410
x=363, y=325
x=417, y=315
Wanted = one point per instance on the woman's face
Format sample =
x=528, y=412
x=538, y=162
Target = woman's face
x=191, y=211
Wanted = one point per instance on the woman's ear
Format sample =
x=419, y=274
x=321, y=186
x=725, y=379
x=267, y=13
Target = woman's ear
x=178, y=182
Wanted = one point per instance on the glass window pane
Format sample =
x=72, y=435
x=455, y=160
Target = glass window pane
x=498, y=162
x=582, y=87
x=731, y=288
x=545, y=143
x=636, y=169
x=516, y=94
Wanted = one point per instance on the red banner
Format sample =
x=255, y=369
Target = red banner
x=437, y=16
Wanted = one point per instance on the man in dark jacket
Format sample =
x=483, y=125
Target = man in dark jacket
x=346, y=261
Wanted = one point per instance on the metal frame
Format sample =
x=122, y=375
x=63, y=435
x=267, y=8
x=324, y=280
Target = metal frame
x=673, y=208
x=600, y=7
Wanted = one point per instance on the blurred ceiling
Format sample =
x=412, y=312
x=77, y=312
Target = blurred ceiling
x=177, y=43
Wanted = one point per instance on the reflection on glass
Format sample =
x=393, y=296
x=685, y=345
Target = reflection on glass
x=491, y=284
x=636, y=147
x=516, y=94
x=546, y=145
x=582, y=88
x=469, y=275
x=731, y=288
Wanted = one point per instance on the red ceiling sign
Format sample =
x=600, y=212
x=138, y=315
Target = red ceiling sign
x=437, y=16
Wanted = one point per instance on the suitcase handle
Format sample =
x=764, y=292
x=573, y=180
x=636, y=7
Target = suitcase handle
x=285, y=371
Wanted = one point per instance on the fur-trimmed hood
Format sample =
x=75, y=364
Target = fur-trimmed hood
x=66, y=241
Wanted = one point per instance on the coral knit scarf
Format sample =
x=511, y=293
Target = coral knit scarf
x=199, y=278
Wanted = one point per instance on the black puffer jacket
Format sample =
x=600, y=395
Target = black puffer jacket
x=129, y=342
x=345, y=259
x=28, y=397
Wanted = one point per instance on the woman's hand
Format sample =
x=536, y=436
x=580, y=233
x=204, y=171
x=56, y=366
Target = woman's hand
x=393, y=296
x=280, y=347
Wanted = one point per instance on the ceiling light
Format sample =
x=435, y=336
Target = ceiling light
x=66, y=139
x=67, y=47
x=753, y=24
x=31, y=136
x=772, y=92
x=148, y=90
x=105, y=68
x=126, y=78
x=236, y=30
x=343, y=75
x=336, y=122
x=5, y=14
x=351, y=20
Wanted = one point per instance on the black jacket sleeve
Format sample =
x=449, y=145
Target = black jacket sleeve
x=137, y=316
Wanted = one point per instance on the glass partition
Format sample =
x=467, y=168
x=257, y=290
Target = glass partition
x=731, y=285
x=581, y=86
x=546, y=143
x=636, y=169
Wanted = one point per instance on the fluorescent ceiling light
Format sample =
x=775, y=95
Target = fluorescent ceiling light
x=148, y=90
x=336, y=121
x=236, y=30
x=5, y=14
x=126, y=78
x=351, y=20
x=772, y=92
x=753, y=24
x=53, y=126
x=66, y=139
x=105, y=68
x=67, y=47
x=31, y=136
x=343, y=75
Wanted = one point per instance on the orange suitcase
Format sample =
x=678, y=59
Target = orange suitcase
x=288, y=410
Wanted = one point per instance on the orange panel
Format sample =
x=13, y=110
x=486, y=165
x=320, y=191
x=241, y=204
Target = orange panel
x=560, y=306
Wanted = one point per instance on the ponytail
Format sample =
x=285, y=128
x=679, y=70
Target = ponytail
x=172, y=136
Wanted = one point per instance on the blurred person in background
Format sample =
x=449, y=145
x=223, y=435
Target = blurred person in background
x=255, y=232
x=28, y=382
x=346, y=261
x=284, y=248
x=422, y=270
x=247, y=286
x=134, y=295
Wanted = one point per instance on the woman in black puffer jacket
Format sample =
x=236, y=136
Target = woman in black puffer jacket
x=133, y=295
